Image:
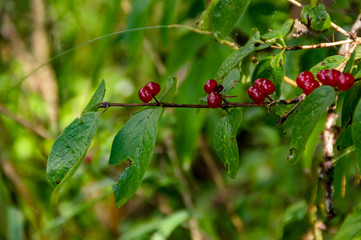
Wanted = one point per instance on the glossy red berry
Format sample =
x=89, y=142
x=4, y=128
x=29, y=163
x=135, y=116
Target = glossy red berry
x=321, y=76
x=210, y=86
x=303, y=77
x=345, y=81
x=256, y=95
x=153, y=87
x=214, y=100
x=265, y=85
x=145, y=94
x=309, y=86
x=332, y=77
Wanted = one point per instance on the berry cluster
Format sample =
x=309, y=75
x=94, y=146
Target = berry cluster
x=260, y=90
x=214, y=98
x=331, y=77
x=149, y=91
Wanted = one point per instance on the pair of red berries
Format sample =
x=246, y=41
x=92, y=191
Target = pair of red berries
x=149, y=91
x=331, y=77
x=260, y=90
x=214, y=99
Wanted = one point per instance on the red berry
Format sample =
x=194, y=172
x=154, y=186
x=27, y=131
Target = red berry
x=345, y=81
x=332, y=77
x=145, y=94
x=210, y=86
x=265, y=85
x=321, y=76
x=256, y=94
x=303, y=77
x=214, y=100
x=309, y=86
x=153, y=87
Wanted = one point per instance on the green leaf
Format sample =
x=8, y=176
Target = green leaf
x=317, y=17
x=225, y=142
x=135, y=143
x=330, y=62
x=345, y=139
x=226, y=15
x=286, y=27
x=169, y=224
x=168, y=95
x=305, y=14
x=351, y=227
x=69, y=150
x=230, y=81
x=205, y=21
x=234, y=59
x=310, y=111
x=320, y=20
x=96, y=99
x=15, y=223
x=313, y=3
x=356, y=130
x=271, y=68
x=349, y=104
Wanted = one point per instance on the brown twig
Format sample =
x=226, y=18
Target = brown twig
x=179, y=105
x=298, y=100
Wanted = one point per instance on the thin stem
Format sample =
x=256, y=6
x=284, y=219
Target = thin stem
x=289, y=81
x=179, y=105
x=313, y=46
x=343, y=154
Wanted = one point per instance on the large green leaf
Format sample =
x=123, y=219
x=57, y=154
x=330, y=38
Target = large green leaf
x=225, y=142
x=356, y=130
x=271, y=68
x=96, y=99
x=330, y=62
x=69, y=150
x=135, y=143
x=226, y=15
x=351, y=227
x=312, y=108
x=234, y=59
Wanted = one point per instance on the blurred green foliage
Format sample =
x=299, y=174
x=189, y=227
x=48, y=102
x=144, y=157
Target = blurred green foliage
x=186, y=188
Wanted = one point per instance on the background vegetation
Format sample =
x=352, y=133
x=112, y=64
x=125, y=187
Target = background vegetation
x=186, y=192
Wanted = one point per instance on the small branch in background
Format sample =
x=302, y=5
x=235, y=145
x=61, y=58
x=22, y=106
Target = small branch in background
x=289, y=81
x=357, y=25
x=327, y=165
x=25, y=123
x=294, y=2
